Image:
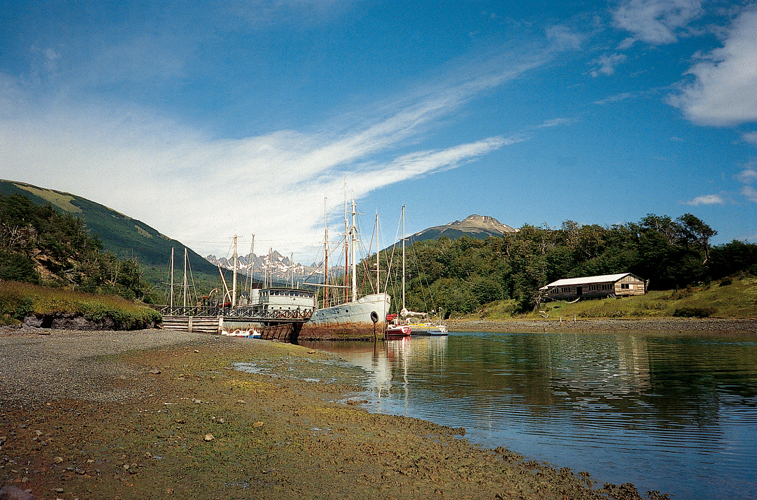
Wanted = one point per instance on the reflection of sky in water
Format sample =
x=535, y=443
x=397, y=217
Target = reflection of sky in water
x=675, y=414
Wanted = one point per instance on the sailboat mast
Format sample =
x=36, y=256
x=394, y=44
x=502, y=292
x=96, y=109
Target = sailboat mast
x=185, y=279
x=171, y=294
x=354, y=264
x=326, y=259
x=346, y=250
x=251, y=269
x=235, y=257
x=378, y=269
x=403, y=257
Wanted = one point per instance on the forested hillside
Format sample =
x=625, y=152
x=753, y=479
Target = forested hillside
x=462, y=275
x=40, y=245
x=128, y=239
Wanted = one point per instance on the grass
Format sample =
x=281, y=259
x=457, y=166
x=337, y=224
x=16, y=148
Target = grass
x=18, y=300
x=729, y=298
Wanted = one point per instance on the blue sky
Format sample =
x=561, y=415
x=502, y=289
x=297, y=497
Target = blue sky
x=206, y=119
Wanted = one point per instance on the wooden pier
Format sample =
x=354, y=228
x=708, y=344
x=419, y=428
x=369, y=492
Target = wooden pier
x=272, y=324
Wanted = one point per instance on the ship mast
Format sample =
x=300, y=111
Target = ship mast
x=251, y=269
x=354, y=244
x=378, y=270
x=403, y=257
x=235, y=258
x=185, y=279
x=326, y=256
x=171, y=281
x=346, y=249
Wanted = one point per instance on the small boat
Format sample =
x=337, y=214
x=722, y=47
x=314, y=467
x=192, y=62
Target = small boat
x=418, y=322
x=397, y=331
x=236, y=333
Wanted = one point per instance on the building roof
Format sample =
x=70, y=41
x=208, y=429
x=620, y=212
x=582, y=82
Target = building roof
x=588, y=280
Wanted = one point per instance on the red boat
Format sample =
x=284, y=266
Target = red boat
x=397, y=331
x=394, y=329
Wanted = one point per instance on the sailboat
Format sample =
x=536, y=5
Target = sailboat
x=417, y=322
x=359, y=318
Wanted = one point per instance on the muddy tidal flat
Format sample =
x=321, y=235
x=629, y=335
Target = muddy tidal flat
x=165, y=414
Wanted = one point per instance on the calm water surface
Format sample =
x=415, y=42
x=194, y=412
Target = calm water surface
x=671, y=413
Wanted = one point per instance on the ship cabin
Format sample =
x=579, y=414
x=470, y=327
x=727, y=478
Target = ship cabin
x=283, y=299
x=609, y=285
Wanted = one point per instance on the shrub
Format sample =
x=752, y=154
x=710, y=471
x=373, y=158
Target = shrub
x=694, y=312
x=726, y=282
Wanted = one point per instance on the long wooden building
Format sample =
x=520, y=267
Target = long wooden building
x=618, y=285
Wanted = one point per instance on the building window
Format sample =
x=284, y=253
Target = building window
x=624, y=286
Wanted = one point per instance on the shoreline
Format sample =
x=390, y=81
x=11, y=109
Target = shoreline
x=160, y=413
x=655, y=325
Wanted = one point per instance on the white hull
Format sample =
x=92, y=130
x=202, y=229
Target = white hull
x=354, y=312
x=364, y=318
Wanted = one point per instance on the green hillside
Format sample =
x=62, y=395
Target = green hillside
x=126, y=237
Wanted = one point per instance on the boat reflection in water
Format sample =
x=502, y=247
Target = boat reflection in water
x=667, y=412
x=389, y=365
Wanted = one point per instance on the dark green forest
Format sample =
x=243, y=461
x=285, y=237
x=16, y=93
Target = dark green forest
x=40, y=245
x=462, y=275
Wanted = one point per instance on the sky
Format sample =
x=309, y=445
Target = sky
x=206, y=119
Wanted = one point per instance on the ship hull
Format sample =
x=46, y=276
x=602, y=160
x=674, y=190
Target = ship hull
x=363, y=319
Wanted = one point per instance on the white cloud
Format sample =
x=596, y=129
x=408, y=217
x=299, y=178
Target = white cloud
x=607, y=64
x=618, y=98
x=749, y=193
x=723, y=92
x=655, y=21
x=750, y=137
x=564, y=37
x=708, y=199
x=556, y=122
x=747, y=176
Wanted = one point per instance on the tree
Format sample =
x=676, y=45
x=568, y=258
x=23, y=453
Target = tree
x=696, y=231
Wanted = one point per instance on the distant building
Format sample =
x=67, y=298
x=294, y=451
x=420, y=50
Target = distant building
x=608, y=285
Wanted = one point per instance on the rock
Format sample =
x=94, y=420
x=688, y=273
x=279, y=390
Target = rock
x=15, y=493
x=209, y=437
x=155, y=371
x=33, y=321
x=257, y=425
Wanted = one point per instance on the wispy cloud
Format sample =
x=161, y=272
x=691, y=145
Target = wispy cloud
x=655, y=21
x=750, y=137
x=618, y=98
x=606, y=63
x=747, y=176
x=750, y=193
x=555, y=122
x=708, y=199
x=723, y=90
x=202, y=189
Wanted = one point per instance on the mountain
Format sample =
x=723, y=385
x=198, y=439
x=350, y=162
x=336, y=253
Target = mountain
x=475, y=226
x=125, y=237
x=281, y=268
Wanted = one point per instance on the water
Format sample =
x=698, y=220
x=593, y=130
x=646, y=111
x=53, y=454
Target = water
x=677, y=414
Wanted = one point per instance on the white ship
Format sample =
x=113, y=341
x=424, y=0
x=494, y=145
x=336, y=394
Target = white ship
x=360, y=318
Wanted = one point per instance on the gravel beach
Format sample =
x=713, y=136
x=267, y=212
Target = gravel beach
x=165, y=414
x=38, y=364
